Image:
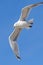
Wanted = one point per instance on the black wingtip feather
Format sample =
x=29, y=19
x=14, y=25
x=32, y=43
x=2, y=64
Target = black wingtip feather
x=18, y=57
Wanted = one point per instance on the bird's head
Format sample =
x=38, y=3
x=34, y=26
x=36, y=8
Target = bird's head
x=16, y=24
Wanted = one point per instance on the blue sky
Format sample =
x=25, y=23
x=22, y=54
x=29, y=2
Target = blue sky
x=30, y=41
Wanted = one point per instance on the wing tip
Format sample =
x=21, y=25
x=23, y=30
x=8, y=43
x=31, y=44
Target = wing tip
x=18, y=57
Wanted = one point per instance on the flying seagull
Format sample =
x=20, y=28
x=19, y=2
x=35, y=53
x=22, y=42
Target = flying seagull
x=19, y=25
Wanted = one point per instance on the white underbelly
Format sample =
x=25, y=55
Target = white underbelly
x=22, y=24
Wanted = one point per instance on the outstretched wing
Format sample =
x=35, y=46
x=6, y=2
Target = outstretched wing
x=26, y=10
x=15, y=34
x=12, y=41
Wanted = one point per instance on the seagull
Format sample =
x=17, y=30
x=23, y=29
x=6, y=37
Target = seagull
x=19, y=25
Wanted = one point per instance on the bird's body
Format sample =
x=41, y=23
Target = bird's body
x=19, y=25
x=22, y=24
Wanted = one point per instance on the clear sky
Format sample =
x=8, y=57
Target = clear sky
x=30, y=41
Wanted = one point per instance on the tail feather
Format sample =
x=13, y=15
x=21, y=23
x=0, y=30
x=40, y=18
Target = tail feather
x=30, y=21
